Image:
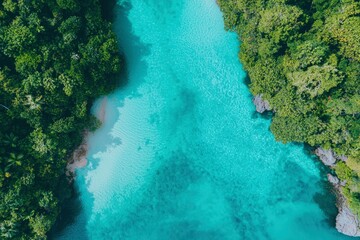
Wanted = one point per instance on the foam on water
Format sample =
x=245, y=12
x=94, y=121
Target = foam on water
x=182, y=155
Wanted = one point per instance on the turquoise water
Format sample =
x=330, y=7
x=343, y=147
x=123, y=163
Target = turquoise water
x=182, y=154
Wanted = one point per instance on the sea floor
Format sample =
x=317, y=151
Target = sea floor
x=182, y=153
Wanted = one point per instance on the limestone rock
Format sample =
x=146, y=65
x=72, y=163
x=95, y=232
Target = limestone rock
x=326, y=156
x=346, y=221
x=333, y=180
x=261, y=104
x=342, y=158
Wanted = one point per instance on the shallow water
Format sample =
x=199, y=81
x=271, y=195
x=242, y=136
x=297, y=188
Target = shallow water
x=182, y=154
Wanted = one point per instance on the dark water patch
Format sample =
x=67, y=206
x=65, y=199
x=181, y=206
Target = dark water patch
x=326, y=201
x=107, y=9
x=288, y=192
x=247, y=80
x=71, y=209
x=267, y=115
x=134, y=50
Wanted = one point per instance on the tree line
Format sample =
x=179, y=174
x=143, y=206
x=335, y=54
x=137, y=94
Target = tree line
x=303, y=57
x=56, y=57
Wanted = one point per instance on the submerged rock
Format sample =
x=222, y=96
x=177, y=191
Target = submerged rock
x=261, y=104
x=328, y=157
x=346, y=221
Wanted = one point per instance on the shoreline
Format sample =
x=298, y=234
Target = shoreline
x=78, y=158
x=346, y=221
x=101, y=113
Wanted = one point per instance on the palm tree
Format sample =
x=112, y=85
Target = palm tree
x=14, y=159
x=34, y=103
x=11, y=140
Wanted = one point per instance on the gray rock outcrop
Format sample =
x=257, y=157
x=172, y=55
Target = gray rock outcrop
x=333, y=180
x=346, y=221
x=261, y=104
x=329, y=157
x=326, y=156
x=342, y=158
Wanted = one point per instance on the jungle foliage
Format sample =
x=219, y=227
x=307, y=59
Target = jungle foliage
x=56, y=57
x=304, y=58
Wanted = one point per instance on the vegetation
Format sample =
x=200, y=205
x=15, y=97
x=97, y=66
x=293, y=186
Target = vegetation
x=56, y=57
x=304, y=58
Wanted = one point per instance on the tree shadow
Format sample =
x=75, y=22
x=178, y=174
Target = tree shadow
x=134, y=51
x=107, y=9
x=71, y=209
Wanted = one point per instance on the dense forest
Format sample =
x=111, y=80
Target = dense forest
x=303, y=57
x=56, y=57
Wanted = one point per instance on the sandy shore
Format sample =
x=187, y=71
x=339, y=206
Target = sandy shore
x=79, y=156
x=101, y=114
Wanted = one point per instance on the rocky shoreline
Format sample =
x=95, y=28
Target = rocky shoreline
x=346, y=221
x=261, y=104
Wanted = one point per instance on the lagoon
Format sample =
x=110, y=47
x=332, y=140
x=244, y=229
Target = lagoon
x=182, y=153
